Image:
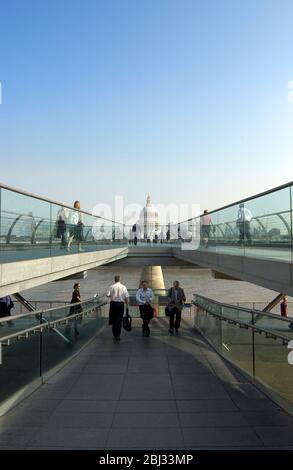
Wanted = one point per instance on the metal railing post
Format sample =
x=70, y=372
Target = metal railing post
x=291, y=224
x=41, y=346
x=220, y=330
x=253, y=345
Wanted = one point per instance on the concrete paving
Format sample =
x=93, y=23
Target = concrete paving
x=193, y=280
x=147, y=393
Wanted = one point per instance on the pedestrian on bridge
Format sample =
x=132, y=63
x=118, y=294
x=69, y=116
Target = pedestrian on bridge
x=61, y=221
x=176, y=299
x=144, y=297
x=76, y=226
x=206, y=223
x=244, y=218
x=119, y=296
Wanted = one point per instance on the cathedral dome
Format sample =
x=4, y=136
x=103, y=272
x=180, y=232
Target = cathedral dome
x=149, y=219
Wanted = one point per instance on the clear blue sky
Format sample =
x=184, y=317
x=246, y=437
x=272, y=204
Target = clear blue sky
x=185, y=99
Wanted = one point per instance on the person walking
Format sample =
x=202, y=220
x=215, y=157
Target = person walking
x=176, y=299
x=75, y=299
x=61, y=220
x=168, y=235
x=284, y=307
x=131, y=236
x=119, y=296
x=284, y=310
x=206, y=223
x=6, y=304
x=134, y=234
x=244, y=218
x=144, y=297
x=76, y=226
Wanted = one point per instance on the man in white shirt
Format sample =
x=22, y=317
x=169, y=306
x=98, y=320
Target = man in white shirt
x=119, y=296
x=206, y=224
x=244, y=218
x=144, y=297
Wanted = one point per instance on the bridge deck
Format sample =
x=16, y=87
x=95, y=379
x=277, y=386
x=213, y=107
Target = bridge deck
x=157, y=392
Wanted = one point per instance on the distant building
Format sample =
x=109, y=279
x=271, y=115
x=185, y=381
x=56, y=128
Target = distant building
x=148, y=223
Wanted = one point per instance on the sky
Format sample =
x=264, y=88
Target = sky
x=187, y=100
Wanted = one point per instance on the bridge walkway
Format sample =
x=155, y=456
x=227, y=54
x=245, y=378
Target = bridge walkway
x=158, y=392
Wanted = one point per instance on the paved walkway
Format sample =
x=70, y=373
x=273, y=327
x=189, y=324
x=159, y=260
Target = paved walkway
x=157, y=392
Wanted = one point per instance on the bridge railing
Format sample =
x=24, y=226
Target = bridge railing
x=255, y=341
x=257, y=226
x=36, y=344
x=35, y=227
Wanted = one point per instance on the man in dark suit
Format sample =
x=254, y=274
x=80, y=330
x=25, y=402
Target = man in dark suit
x=176, y=299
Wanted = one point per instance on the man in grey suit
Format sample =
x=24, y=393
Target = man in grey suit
x=176, y=299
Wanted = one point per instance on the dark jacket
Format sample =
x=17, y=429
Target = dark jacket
x=6, y=305
x=179, y=301
x=75, y=300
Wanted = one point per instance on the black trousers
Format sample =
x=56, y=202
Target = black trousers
x=175, y=315
x=146, y=314
x=115, y=317
x=61, y=232
x=5, y=310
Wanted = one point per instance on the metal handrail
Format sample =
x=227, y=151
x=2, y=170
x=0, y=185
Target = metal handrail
x=271, y=214
x=51, y=201
x=250, y=325
x=47, y=324
x=264, y=193
x=38, y=312
x=251, y=310
x=5, y=340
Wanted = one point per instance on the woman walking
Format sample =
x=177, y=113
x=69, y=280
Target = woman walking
x=75, y=299
x=76, y=226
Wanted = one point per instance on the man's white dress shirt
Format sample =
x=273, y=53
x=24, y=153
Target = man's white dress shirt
x=118, y=292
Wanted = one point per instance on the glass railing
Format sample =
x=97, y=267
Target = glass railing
x=34, y=227
x=33, y=344
x=256, y=305
x=37, y=305
x=255, y=341
x=259, y=226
